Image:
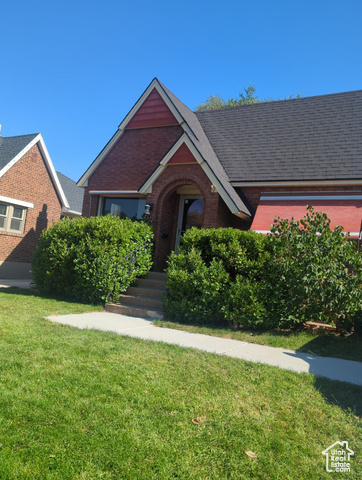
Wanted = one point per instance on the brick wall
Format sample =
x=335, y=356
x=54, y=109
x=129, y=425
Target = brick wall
x=28, y=180
x=132, y=160
x=166, y=203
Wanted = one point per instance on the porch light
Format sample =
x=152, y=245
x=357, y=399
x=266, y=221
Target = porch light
x=148, y=208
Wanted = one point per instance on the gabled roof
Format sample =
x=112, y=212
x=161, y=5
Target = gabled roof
x=195, y=133
x=207, y=152
x=12, y=149
x=305, y=139
x=73, y=194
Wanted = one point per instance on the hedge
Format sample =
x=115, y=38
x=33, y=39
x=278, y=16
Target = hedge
x=210, y=262
x=303, y=270
x=77, y=258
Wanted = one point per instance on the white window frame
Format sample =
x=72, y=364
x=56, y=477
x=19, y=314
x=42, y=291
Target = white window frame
x=10, y=216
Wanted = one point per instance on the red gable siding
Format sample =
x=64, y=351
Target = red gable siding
x=183, y=155
x=153, y=113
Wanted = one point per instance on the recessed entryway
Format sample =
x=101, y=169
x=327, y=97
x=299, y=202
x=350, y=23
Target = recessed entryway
x=191, y=212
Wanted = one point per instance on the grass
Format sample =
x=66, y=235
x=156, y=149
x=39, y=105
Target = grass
x=84, y=405
x=322, y=343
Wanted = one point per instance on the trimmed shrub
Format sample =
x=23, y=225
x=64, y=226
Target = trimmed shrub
x=195, y=291
x=240, y=252
x=302, y=271
x=77, y=258
x=244, y=306
x=212, y=264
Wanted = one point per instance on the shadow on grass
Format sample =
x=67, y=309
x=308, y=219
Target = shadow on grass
x=35, y=293
x=328, y=345
x=344, y=395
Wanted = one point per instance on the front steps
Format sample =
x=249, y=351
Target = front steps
x=144, y=299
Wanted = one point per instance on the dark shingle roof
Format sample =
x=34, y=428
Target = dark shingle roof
x=202, y=143
x=11, y=146
x=315, y=138
x=73, y=193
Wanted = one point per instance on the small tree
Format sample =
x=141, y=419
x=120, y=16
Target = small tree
x=214, y=102
x=315, y=272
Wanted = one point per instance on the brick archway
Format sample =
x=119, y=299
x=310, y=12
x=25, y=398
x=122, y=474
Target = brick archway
x=166, y=201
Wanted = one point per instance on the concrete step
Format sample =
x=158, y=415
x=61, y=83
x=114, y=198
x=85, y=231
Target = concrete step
x=141, y=301
x=144, y=299
x=145, y=292
x=133, y=311
x=150, y=283
x=156, y=276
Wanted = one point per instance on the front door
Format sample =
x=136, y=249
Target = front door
x=191, y=213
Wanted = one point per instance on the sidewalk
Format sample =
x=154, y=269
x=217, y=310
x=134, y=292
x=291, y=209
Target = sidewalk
x=332, y=368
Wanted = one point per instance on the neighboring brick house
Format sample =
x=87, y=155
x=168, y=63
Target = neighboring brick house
x=236, y=167
x=31, y=199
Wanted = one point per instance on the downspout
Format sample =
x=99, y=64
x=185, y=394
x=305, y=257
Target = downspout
x=90, y=205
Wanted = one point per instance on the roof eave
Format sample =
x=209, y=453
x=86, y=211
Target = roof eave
x=185, y=139
x=49, y=164
x=281, y=183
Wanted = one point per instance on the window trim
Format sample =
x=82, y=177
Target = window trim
x=10, y=216
x=14, y=201
x=102, y=199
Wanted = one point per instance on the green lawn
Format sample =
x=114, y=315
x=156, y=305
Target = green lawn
x=84, y=405
x=324, y=344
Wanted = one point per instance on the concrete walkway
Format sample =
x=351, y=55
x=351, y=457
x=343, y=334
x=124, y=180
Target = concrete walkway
x=333, y=368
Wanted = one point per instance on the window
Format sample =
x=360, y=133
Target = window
x=12, y=218
x=124, y=207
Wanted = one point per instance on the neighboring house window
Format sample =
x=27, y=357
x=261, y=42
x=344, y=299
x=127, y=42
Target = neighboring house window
x=12, y=218
x=124, y=207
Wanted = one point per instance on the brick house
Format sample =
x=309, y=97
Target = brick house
x=238, y=166
x=31, y=199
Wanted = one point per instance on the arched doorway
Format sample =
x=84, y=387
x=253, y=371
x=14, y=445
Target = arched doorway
x=180, y=208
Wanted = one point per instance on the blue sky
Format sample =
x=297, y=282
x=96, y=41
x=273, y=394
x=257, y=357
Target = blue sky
x=73, y=69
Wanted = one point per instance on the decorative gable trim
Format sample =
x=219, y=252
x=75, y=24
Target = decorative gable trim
x=49, y=164
x=153, y=113
x=155, y=84
x=216, y=184
x=52, y=172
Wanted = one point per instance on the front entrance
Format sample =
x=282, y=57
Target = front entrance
x=191, y=211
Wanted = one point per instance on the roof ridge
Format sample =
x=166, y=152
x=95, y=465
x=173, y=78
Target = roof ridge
x=277, y=101
x=25, y=135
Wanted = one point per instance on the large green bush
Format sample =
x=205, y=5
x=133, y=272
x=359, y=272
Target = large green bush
x=302, y=271
x=77, y=258
x=315, y=272
x=210, y=262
